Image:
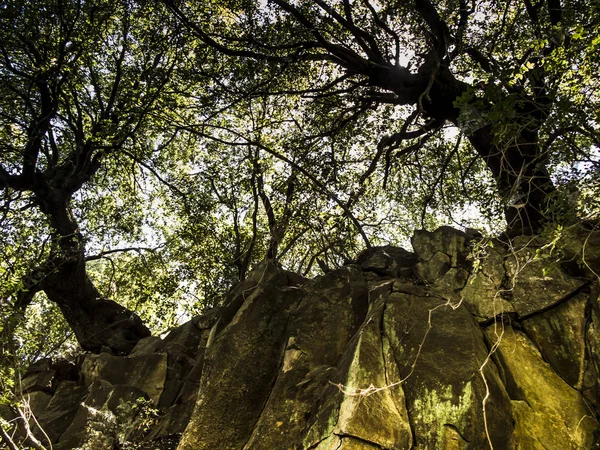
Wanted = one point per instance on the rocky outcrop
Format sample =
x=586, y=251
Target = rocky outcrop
x=146, y=396
x=463, y=344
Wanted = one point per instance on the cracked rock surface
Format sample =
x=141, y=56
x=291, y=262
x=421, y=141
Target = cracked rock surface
x=457, y=345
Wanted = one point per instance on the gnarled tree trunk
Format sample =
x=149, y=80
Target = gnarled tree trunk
x=96, y=321
x=516, y=163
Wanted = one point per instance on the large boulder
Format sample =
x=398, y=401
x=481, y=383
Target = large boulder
x=146, y=372
x=453, y=390
x=548, y=413
x=559, y=334
x=242, y=361
x=464, y=344
x=485, y=293
x=53, y=418
x=536, y=279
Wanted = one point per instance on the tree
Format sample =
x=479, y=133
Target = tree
x=155, y=164
x=80, y=82
x=260, y=172
x=511, y=76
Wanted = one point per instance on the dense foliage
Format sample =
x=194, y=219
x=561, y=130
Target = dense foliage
x=151, y=153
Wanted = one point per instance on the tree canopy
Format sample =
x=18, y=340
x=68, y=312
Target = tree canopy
x=152, y=152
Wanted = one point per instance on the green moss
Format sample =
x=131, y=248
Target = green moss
x=435, y=408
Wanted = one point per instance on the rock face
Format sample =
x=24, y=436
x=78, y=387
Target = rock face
x=459, y=345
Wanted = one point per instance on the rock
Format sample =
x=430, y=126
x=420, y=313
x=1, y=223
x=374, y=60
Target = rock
x=388, y=353
x=179, y=365
x=548, y=413
x=39, y=381
x=88, y=412
x=443, y=257
x=239, y=369
x=106, y=349
x=191, y=381
x=207, y=320
x=388, y=260
x=484, y=292
x=147, y=346
x=181, y=347
x=446, y=240
x=453, y=280
x=173, y=420
x=35, y=406
x=331, y=311
x=145, y=372
x=559, y=334
x=537, y=282
x=60, y=410
x=591, y=378
x=432, y=271
x=581, y=248
x=107, y=411
x=264, y=274
x=179, y=397
x=168, y=442
x=344, y=443
x=31, y=407
x=185, y=338
x=37, y=402
x=66, y=370
x=439, y=351
x=367, y=403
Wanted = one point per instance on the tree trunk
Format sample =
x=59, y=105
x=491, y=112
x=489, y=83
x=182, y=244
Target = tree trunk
x=96, y=321
x=522, y=179
x=517, y=165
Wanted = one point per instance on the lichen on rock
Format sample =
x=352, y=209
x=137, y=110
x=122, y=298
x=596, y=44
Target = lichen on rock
x=399, y=350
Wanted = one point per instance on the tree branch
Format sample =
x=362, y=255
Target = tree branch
x=204, y=37
x=105, y=253
x=436, y=25
x=7, y=439
x=249, y=143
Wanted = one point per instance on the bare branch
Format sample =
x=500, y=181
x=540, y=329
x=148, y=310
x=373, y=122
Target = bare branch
x=365, y=40
x=183, y=17
x=381, y=24
x=105, y=253
x=157, y=175
x=7, y=440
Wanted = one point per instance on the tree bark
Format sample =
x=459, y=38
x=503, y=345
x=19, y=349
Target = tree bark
x=517, y=165
x=96, y=321
x=523, y=181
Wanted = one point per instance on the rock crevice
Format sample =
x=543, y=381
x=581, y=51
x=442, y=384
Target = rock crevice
x=457, y=345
